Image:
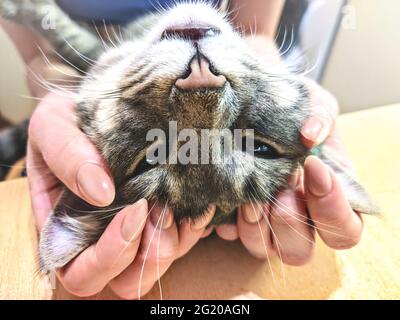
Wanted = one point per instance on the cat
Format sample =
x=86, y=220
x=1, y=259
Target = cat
x=186, y=66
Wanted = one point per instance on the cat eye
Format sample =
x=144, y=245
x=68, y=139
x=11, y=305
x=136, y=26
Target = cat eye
x=261, y=149
x=144, y=166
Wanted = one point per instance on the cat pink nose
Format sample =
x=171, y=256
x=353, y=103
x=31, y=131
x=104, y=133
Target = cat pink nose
x=200, y=77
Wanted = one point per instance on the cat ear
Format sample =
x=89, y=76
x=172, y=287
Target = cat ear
x=356, y=194
x=58, y=244
x=69, y=229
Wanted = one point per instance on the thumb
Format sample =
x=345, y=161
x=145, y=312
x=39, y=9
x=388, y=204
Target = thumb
x=324, y=110
x=67, y=151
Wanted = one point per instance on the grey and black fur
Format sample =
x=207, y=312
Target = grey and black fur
x=131, y=90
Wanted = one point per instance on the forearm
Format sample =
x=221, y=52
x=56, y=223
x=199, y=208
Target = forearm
x=257, y=17
x=28, y=44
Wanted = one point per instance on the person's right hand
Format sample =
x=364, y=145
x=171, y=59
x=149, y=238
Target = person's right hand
x=133, y=252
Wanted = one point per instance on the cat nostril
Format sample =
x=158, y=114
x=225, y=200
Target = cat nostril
x=190, y=33
x=200, y=76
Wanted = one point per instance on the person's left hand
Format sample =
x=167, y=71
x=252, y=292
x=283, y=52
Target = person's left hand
x=314, y=201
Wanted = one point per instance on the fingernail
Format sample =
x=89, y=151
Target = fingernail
x=318, y=177
x=130, y=228
x=312, y=130
x=162, y=218
x=95, y=184
x=204, y=220
x=252, y=212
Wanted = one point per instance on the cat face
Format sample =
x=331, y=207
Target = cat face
x=190, y=71
x=135, y=89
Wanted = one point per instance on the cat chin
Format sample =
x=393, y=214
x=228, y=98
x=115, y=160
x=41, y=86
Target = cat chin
x=191, y=14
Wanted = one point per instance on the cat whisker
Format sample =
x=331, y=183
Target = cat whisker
x=291, y=44
x=275, y=238
x=264, y=244
x=236, y=10
x=291, y=227
x=116, y=36
x=85, y=58
x=106, y=47
x=158, y=257
x=299, y=63
x=135, y=234
x=124, y=31
x=48, y=88
x=287, y=209
x=68, y=90
x=148, y=249
x=283, y=40
x=99, y=210
x=108, y=34
x=278, y=32
x=82, y=74
x=158, y=7
x=55, y=88
x=312, y=225
x=276, y=241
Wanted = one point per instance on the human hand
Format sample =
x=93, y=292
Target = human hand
x=134, y=250
x=284, y=227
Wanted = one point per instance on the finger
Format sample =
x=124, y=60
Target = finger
x=44, y=187
x=337, y=224
x=54, y=135
x=254, y=230
x=158, y=249
x=90, y=272
x=191, y=231
x=324, y=110
x=293, y=236
x=227, y=231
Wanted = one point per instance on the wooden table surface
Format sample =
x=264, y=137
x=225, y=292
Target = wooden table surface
x=219, y=269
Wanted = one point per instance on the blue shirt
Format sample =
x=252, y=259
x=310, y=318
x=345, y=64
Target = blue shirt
x=113, y=11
